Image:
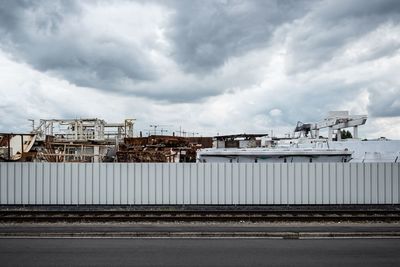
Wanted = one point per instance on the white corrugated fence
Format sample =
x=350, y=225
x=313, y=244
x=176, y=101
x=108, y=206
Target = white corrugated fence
x=198, y=183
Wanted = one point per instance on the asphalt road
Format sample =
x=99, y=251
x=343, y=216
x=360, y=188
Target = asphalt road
x=199, y=252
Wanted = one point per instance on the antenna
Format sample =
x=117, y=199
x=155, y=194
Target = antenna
x=155, y=126
x=193, y=133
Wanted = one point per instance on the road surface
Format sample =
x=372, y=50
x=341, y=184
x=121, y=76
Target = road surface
x=198, y=252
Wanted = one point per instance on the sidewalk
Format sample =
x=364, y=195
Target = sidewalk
x=198, y=230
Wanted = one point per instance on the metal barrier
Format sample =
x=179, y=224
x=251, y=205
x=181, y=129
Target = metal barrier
x=198, y=183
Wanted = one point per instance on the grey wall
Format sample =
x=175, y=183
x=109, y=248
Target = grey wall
x=199, y=183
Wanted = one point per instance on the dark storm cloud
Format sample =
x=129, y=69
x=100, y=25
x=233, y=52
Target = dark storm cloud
x=333, y=24
x=206, y=34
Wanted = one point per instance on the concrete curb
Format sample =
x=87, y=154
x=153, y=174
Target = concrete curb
x=272, y=235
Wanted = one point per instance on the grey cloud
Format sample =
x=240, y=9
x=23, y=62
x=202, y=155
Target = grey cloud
x=10, y=13
x=183, y=95
x=310, y=102
x=49, y=15
x=332, y=24
x=106, y=63
x=384, y=100
x=48, y=45
x=386, y=50
x=206, y=34
x=13, y=119
x=94, y=64
x=343, y=9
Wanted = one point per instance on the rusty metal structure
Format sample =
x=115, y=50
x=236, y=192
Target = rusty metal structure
x=66, y=140
x=83, y=130
x=161, y=148
x=16, y=146
x=95, y=140
x=80, y=140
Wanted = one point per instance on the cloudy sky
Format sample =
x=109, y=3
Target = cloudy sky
x=207, y=66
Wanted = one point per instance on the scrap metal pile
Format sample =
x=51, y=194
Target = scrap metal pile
x=157, y=148
x=16, y=146
x=66, y=140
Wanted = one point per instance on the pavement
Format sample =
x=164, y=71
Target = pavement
x=198, y=252
x=200, y=244
x=192, y=230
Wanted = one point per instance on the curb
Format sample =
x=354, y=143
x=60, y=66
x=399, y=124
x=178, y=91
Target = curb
x=272, y=235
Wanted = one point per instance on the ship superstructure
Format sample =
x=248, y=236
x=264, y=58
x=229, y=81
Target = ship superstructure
x=306, y=144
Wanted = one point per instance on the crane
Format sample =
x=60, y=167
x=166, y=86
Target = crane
x=336, y=120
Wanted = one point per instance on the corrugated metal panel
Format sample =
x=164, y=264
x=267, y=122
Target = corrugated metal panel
x=199, y=183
